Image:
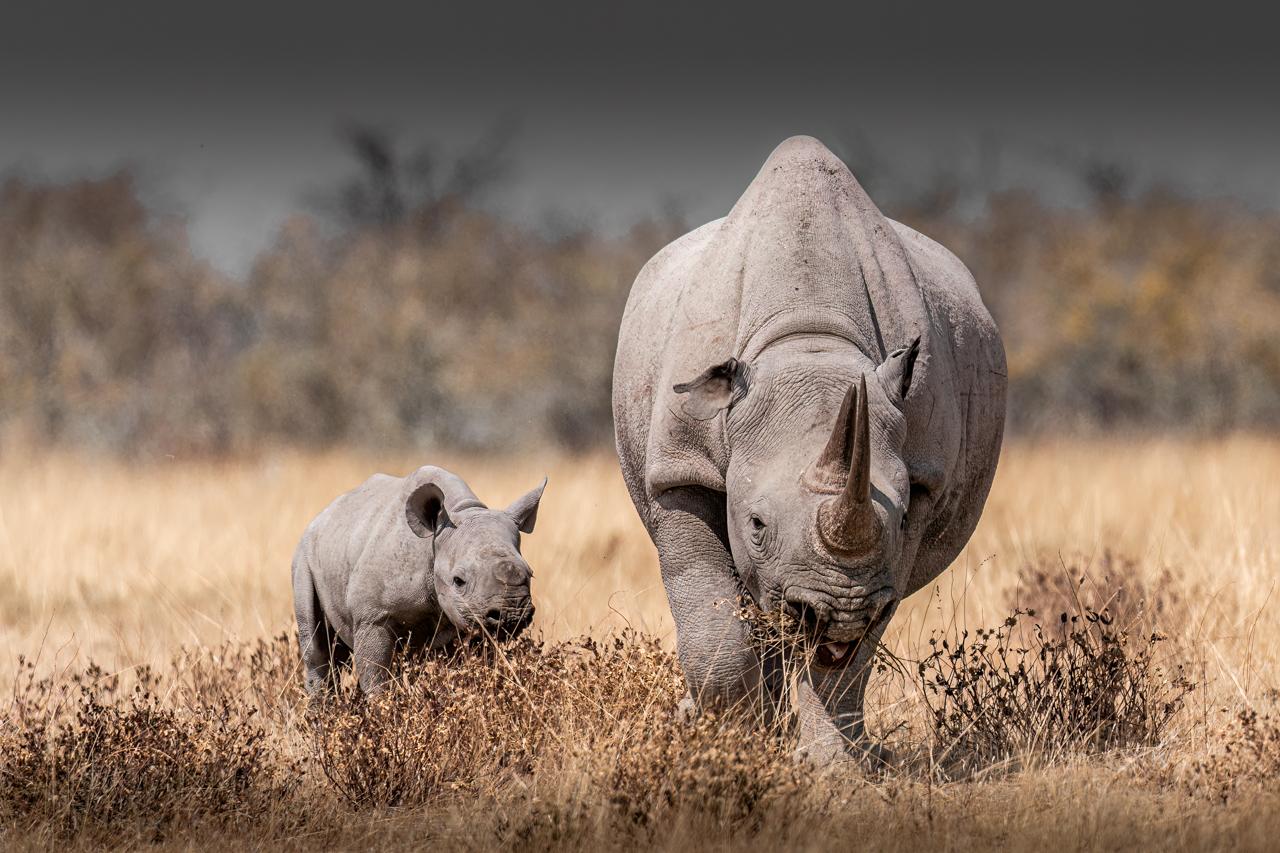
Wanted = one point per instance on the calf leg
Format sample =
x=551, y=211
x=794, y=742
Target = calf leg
x=316, y=640
x=374, y=645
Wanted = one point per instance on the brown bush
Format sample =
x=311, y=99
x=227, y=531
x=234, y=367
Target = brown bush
x=1244, y=757
x=468, y=723
x=537, y=744
x=1144, y=311
x=733, y=777
x=112, y=336
x=88, y=758
x=1026, y=691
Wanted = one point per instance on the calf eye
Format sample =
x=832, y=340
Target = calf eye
x=903, y=524
x=458, y=581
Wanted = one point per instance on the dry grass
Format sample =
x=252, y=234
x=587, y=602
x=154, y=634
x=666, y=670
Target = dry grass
x=565, y=741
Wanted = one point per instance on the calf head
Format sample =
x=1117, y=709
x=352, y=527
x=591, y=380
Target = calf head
x=481, y=579
x=818, y=497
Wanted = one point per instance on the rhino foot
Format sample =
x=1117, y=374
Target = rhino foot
x=872, y=757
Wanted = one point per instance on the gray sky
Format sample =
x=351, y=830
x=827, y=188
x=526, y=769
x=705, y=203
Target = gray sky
x=228, y=111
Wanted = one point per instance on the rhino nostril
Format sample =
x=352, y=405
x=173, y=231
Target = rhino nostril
x=809, y=614
x=881, y=602
x=493, y=617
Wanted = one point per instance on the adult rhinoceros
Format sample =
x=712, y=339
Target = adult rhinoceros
x=809, y=401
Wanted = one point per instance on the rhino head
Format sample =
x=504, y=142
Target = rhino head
x=481, y=578
x=818, y=492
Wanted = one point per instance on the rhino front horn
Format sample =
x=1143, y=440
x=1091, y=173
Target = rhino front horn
x=847, y=522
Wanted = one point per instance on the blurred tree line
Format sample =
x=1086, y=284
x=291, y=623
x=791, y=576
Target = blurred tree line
x=401, y=314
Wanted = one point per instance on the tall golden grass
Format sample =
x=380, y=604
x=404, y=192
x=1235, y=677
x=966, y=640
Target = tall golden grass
x=124, y=565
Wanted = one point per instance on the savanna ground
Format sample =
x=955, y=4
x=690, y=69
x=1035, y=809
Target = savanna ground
x=160, y=698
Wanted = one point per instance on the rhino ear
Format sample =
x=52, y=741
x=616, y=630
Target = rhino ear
x=525, y=509
x=895, y=371
x=424, y=510
x=717, y=388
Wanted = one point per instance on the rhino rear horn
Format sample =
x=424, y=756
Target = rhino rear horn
x=835, y=459
x=847, y=521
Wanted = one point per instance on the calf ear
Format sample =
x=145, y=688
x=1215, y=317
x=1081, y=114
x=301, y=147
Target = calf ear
x=716, y=389
x=525, y=509
x=424, y=510
x=895, y=371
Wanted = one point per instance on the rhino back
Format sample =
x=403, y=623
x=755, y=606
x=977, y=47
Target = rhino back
x=966, y=401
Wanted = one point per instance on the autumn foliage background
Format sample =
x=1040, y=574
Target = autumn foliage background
x=397, y=313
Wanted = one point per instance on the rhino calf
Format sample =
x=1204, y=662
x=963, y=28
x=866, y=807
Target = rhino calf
x=416, y=560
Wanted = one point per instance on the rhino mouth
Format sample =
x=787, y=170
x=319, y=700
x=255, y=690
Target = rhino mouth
x=478, y=632
x=511, y=630
x=838, y=654
x=505, y=630
x=833, y=654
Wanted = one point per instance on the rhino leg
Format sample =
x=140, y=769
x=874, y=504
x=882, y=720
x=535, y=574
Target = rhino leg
x=829, y=709
x=322, y=651
x=720, y=665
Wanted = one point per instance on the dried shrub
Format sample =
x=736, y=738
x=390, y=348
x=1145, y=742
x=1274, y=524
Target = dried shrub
x=667, y=779
x=1245, y=757
x=732, y=777
x=261, y=677
x=535, y=745
x=470, y=722
x=89, y=757
x=1019, y=691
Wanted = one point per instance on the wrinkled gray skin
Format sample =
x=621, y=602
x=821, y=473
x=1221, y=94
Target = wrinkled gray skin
x=414, y=560
x=809, y=401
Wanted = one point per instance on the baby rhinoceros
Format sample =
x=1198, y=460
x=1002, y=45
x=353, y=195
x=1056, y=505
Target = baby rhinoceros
x=415, y=560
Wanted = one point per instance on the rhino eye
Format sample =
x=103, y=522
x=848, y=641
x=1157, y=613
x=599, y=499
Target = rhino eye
x=903, y=524
x=458, y=581
x=757, y=523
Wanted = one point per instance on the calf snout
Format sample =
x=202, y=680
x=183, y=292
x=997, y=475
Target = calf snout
x=507, y=620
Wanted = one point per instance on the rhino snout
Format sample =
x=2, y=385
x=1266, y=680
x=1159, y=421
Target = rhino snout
x=836, y=623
